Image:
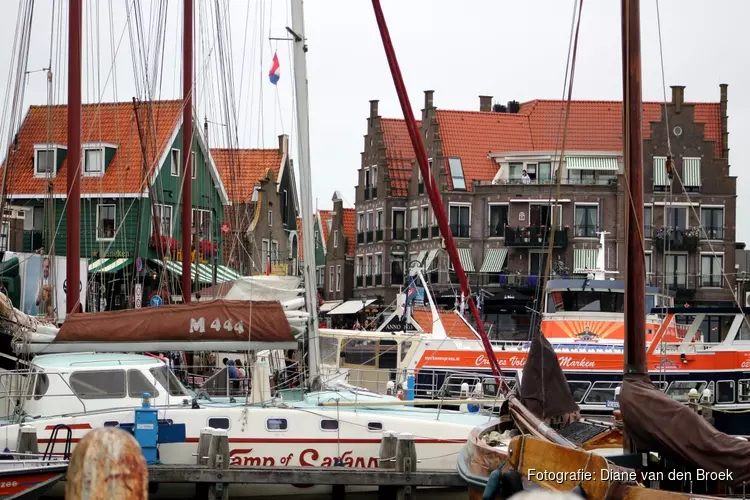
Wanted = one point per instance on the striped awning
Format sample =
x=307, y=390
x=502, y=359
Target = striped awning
x=204, y=271
x=494, y=260
x=584, y=260
x=691, y=172
x=430, y=258
x=464, y=254
x=420, y=256
x=660, y=171
x=108, y=265
x=608, y=163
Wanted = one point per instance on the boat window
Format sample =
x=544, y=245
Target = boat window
x=578, y=389
x=601, y=392
x=725, y=391
x=166, y=379
x=41, y=386
x=100, y=384
x=218, y=423
x=679, y=389
x=661, y=385
x=276, y=424
x=374, y=426
x=329, y=425
x=611, y=302
x=328, y=348
x=360, y=352
x=388, y=354
x=405, y=346
x=111, y=423
x=138, y=384
x=743, y=392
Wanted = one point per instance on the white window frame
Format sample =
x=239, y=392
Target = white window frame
x=454, y=177
x=360, y=222
x=93, y=173
x=194, y=224
x=598, y=217
x=338, y=278
x=160, y=209
x=98, y=221
x=360, y=264
x=367, y=180
x=275, y=251
x=270, y=217
x=550, y=204
x=414, y=217
x=369, y=265
x=335, y=238
x=379, y=219
x=378, y=270
x=265, y=247
x=489, y=210
x=4, y=236
x=723, y=220
x=458, y=204
x=675, y=274
x=721, y=273
x=369, y=222
x=649, y=264
x=45, y=148
x=174, y=166
x=193, y=168
x=331, y=277
x=374, y=176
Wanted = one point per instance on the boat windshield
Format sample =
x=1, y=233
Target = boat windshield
x=166, y=379
x=592, y=301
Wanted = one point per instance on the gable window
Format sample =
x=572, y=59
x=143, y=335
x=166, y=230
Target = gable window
x=93, y=161
x=264, y=257
x=275, y=252
x=378, y=265
x=360, y=263
x=335, y=238
x=44, y=162
x=368, y=224
x=712, y=268
x=270, y=218
x=459, y=216
x=193, y=166
x=399, y=223
x=587, y=218
x=174, y=162
x=498, y=220
x=367, y=178
x=338, y=278
x=374, y=176
x=330, y=278
x=164, y=216
x=379, y=220
x=368, y=267
x=457, y=174
x=712, y=220
x=360, y=223
x=425, y=216
x=105, y=221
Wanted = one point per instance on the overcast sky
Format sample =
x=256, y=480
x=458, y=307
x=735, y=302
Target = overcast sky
x=508, y=49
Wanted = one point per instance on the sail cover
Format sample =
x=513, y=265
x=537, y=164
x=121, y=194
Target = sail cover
x=211, y=321
x=656, y=422
x=544, y=388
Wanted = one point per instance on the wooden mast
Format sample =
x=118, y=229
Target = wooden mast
x=187, y=136
x=635, y=274
x=430, y=183
x=73, y=211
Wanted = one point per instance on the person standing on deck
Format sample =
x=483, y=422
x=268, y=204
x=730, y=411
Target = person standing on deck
x=525, y=179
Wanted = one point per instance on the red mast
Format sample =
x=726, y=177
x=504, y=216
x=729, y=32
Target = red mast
x=431, y=186
x=187, y=136
x=73, y=211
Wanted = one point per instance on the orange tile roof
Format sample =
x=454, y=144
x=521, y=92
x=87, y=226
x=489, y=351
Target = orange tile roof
x=325, y=217
x=300, y=246
x=111, y=123
x=454, y=326
x=399, y=153
x=242, y=169
x=350, y=229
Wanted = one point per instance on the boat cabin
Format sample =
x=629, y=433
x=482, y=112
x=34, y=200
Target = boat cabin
x=596, y=296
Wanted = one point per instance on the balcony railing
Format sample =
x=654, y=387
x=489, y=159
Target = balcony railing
x=359, y=281
x=378, y=235
x=398, y=233
x=713, y=233
x=425, y=233
x=414, y=234
x=360, y=238
x=534, y=236
x=679, y=240
x=677, y=282
x=435, y=231
x=460, y=230
x=712, y=281
x=378, y=279
x=496, y=231
x=603, y=180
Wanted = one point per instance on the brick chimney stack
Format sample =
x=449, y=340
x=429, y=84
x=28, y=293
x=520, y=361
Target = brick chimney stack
x=428, y=99
x=678, y=97
x=485, y=103
x=724, y=117
x=283, y=144
x=374, y=108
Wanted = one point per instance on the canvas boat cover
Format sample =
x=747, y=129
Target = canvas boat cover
x=657, y=423
x=544, y=388
x=211, y=321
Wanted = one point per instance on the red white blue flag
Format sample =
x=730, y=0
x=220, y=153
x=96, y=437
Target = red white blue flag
x=275, y=72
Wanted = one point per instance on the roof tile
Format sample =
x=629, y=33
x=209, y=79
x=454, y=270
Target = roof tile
x=350, y=228
x=453, y=324
x=399, y=153
x=242, y=169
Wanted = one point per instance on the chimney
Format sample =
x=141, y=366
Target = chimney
x=678, y=97
x=724, y=129
x=283, y=144
x=428, y=99
x=485, y=103
x=374, y=108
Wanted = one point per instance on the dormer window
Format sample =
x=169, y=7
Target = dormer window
x=47, y=157
x=457, y=174
x=93, y=161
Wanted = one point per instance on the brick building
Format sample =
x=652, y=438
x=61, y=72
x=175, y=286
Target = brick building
x=500, y=217
x=339, y=258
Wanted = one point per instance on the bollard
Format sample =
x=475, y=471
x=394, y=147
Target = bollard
x=218, y=458
x=387, y=461
x=107, y=463
x=201, y=489
x=406, y=463
x=27, y=443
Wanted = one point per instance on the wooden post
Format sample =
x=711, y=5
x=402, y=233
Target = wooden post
x=27, y=442
x=218, y=458
x=387, y=460
x=406, y=462
x=201, y=489
x=108, y=463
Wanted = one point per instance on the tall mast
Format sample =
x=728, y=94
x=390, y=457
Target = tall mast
x=431, y=185
x=305, y=180
x=187, y=136
x=73, y=211
x=635, y=273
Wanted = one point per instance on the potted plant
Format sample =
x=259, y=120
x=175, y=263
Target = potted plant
x=165, y=243
x=207, y=247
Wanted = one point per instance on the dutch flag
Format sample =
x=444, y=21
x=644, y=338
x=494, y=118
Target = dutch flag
x=275, y=72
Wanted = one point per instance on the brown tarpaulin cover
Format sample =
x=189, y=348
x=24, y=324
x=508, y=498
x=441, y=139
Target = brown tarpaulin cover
x=544, y=388
x=656, y=422
x=260, y=321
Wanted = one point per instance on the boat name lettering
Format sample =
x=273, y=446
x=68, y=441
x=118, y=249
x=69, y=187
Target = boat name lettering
x=568, y=362
x=745, y=364
x=8, y=484
x=513, y=361
x=198, y=325
x=309, y=457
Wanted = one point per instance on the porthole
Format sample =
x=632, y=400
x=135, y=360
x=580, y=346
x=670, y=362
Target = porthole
x=276, y=424
x=218, y=423
x=374, y=426
x=329, y=425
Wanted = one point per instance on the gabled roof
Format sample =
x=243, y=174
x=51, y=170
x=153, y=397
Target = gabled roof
x=324, y=218
x=242, y=169
x=399, y=153
x=350, y=229
x=109, y=123
x=453, y=324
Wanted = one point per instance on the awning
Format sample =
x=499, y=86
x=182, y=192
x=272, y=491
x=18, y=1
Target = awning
x=205, y=272
x=584, y=260
x=108, y=265
x=331, y=304
x=352, y=306
x=691, y=172
x=494, y=260
x=660, y=171
x=608, y=163
x=464, y=254
x=420, y=256
x=430, y=258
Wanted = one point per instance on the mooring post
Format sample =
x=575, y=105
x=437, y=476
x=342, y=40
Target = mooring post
x=204, y=442
x=27, y=442
x=387, y=461
x=107, y=463
x=218, y=458
x=406, y=463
